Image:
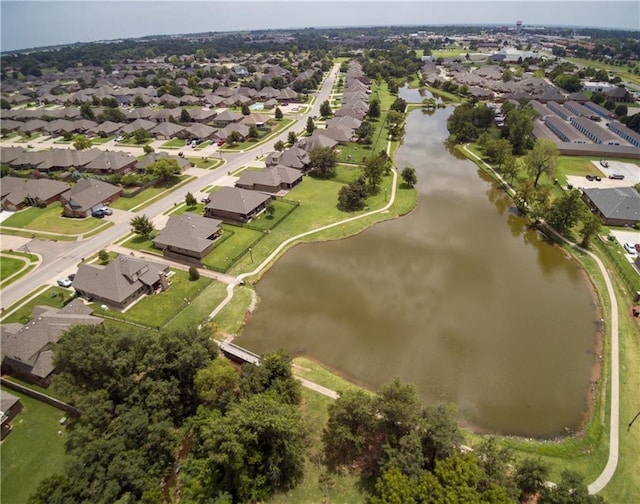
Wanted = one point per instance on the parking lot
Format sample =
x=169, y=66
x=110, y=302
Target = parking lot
x=630, y=171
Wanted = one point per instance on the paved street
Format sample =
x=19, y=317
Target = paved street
x=62, y=259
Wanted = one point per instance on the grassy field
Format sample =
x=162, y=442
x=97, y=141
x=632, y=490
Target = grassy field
x=147, y=196
x=174, y=143
x=50, y=219
x=207, y=163
x=231, y=318
x=156, y=310
x=137, y=242
x=199, y=307
x=53, y=296
x=623, y=72
x=12, y=262
x=32, y=451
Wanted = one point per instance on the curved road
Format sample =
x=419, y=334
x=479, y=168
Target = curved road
x=68, y=257
x=614, y=416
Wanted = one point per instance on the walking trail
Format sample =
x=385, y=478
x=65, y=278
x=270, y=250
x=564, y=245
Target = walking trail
x=614, y=416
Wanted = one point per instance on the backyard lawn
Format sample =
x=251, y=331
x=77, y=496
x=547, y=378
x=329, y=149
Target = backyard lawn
x=50, y=219
x=148, y=195
x=156, y=310
x=32, y=451
x=200, y=307
x=226, y=252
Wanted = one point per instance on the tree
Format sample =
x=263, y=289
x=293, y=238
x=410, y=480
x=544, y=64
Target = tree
x=185, y=116
x=325, y=109
x=142, y=225
x=141, y=135
x=567, y=212
x=499, y=151
x=292, y=138
x=253, y=131
x=621, y=110
x=323, y=161
x=147, y=149
x=274, y=375
x=218, y=385
x=86, y=112
x=310, y=125
x=164, y=169
x=352, y=197
x=530, y=476
x=194, y=274
x=5, y=104
x=278, y=113
x=409, y=176
x=374, y=109
x=591, y=226
x=374, y=168
x=279, y=146
x=81, y=142
x=568, y=82
x=245, y=110
x=395, y=124
x=543, y=158
x=103, y=255
x=365, y=132
x=518, y=128
x=399, y=105
x=349, y=429
x=190, y=200
x=235, y=137
x=256, y=449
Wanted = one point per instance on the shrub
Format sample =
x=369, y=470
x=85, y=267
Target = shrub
x=194, y=274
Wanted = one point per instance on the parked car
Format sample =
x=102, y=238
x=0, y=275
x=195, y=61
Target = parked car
x=590, y=177
x=629, y=247
x=105, y=210
x=616, y=176
x=220, y=142
x=119, y=138
x=64, y=282
x=98, y=214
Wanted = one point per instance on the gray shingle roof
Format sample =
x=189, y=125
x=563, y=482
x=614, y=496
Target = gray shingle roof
x=88, y=193
x=15, y=189
x=188, y=231
x=616, y=203
x=233, y=199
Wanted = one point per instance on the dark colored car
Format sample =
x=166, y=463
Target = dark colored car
x=616, y=176
x=98, y=214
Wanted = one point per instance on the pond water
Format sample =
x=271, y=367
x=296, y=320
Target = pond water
x=459, y=298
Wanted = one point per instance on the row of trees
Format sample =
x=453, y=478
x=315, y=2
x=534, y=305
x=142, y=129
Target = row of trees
x=407, y=453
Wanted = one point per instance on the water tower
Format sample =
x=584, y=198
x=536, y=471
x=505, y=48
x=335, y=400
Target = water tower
x=518, y=26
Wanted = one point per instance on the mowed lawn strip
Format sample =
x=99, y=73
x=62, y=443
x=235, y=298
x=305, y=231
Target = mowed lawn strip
x=155, y=310
x=228, y=249
x=50, y=219
x=33, y=451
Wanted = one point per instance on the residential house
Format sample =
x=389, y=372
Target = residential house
x=294, y=157
x=188, y=237
x=316, y=140
x=17, y=193
x=152, y=157
x=122, y=281
x=27, y=349
x=111, y=162
x=232, y=203
x=287, y=95
x=86, y=195
x=200, y=131
x=340, y=134
x=225, y=133
x=227, y=117
x=618, y=206
x=167, y=130
x=271, y=180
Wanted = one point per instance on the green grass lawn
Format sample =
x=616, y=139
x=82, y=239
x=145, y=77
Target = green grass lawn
x=50, y=219
x=198, y=209
x=100, y=140
x=156, y=310
x=32, y=451
x=137, y=242
x=226, y=252
x=207, y=163
x=148, y=195
x=203, y=145
x=575, y=165
x=231, y=318
x=174, y=143
x=50, y=297
x=624, y=71
x=282, y=209
x=200, y=307
x=9, y=266
x=12, y=262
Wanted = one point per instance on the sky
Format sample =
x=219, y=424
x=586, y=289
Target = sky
x=28, y=24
